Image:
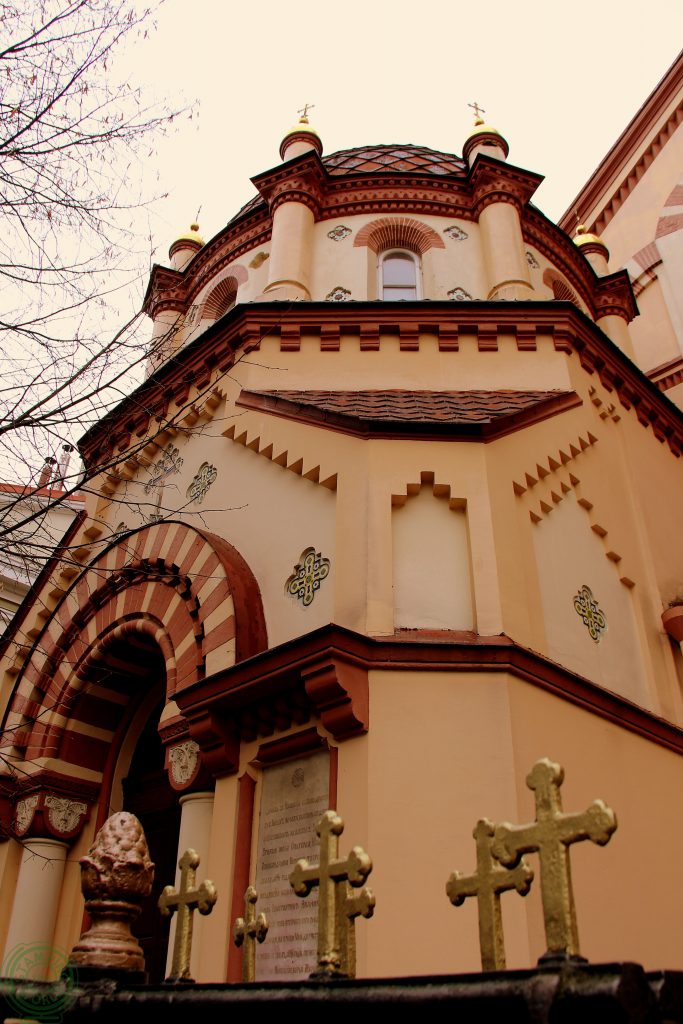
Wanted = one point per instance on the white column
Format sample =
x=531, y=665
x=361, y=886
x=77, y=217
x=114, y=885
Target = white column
x=36, y=900
x=196, y=816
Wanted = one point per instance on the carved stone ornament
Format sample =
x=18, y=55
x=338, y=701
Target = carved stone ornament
x=459, y=295
x=339, y=233
x=205, y=476
x=64, y=815
x=183, y=760
x=456, y=233
x=116, y=875
x=170, y=462
x=532, y=261
x=23, y=815
x=590, y=612
x=309, y=572
x=338, y=294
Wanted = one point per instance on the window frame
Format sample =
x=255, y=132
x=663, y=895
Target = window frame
x=417, y=265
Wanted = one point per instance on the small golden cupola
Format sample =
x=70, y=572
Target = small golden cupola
x=301, y=137
x=484, y=138
x=185, y=247
x=593, y=248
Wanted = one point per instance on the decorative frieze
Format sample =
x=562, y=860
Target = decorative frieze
x=205, y=476
x=183, y=761
x=338, y=294
x=339, y=233
x=23, y=815
x=64, y=815
x=592, y=616
x=309, y=572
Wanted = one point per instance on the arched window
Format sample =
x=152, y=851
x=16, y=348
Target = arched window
x=399, y=275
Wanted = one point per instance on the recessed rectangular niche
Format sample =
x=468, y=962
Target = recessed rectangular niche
x=294, y=796
x=431, y=564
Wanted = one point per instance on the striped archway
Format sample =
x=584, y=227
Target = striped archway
x=166, y=592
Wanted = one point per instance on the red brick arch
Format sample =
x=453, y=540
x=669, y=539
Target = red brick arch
x=165, y=591
x=398, y=233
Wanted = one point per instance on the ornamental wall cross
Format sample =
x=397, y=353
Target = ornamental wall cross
x=488, y=882
x=351, y=906
x=327, y=876
x=249, y=930
x=185, y=902
x=550, y=836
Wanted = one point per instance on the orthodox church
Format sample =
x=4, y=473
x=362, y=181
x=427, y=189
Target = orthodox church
x=395, y=513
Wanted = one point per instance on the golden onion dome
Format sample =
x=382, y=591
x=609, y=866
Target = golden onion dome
x=190, y=236
x=584, y=237
x=487, y=134
x=302, y=126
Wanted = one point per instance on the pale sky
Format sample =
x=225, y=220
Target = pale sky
x=560, y=81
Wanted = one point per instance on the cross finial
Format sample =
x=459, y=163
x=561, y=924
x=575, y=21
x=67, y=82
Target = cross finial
x=249, y=930
x=304, y=112
x=351, y=906
x=327, y=876
x=487, y=884
x=185, y=902
x=550, y=836
x=478, y=111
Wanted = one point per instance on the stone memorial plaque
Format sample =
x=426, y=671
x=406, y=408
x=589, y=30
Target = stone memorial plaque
x=294, y=797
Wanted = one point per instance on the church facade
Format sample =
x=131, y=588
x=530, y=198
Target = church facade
x=395, y=513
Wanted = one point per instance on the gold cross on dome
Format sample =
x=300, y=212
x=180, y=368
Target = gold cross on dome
x=327, y=876
x=349, y=907
x=185, y=902
x=249, y=930
x=551, y=836
x=478, y=111
x=304, y=111
x=487, y=884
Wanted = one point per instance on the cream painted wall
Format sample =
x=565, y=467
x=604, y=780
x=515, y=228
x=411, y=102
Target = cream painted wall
x=431, y=561
x=570, y=555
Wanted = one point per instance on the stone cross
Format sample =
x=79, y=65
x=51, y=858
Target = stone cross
x=185, y=902
x=550, y=836
x=489, y=881
x=249, y=930
x=327, y=876
x=351, y=906
x=478, y=111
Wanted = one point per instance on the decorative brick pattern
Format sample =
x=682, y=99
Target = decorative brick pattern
x=398, y=233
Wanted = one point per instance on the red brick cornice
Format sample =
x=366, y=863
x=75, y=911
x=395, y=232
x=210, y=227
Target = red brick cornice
x=329, y=669
x=299, y=180
x=611, y=182
x=205, y=360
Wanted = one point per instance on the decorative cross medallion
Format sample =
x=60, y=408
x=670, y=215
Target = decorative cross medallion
x=186, y=901
x=249, y=930
x=591, y=614
x=308, y=574
x=351, y=906
x=327, y=876
x=550, y=836
x=489, y=881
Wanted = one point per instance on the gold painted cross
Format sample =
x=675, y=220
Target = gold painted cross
x=351, y=906
x=304, y=111
x=186, y=901
x=489, y=881
x=327, y=875
x=550, y=836
x=249, y=930
x=478, y=111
